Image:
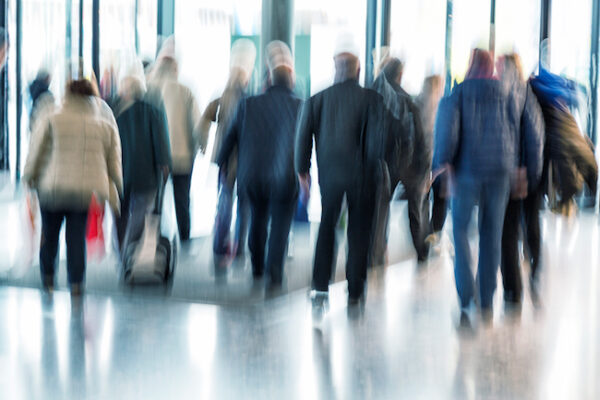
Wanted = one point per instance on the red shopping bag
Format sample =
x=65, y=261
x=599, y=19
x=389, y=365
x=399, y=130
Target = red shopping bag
x=95, y=236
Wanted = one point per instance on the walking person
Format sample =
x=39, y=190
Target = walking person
x=263, y=131
x=340, y=120
x=146, y=156
x=221, y=111
x=75, y=154
x=183, y=117
x=479, y=140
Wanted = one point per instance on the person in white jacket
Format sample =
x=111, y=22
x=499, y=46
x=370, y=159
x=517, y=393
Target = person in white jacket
x=183, y=118
x=75, y=154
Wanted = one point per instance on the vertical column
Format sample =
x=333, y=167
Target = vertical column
x=96, y=38
x=68, y=30
x=386, y=11
x=594, y=65
x=493, y=27
x=448, y=55
x=277, y=24
x=19, y=90
x=371, y=39
x=4, y=145
x=81, y=30
x=135, y=27
x=545, y=32
x=166, y=18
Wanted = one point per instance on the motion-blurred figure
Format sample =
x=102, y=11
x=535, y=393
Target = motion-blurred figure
x=427, y=102
x=42, y=99
x=183, y=117
x=146, y=155
x=478, y=135
x=526, y=198
x=408, y=157
x=221, y=110
x=340, y=119
x=263, y=130
x=570, y=153
x=3, y=47
x=75, y=154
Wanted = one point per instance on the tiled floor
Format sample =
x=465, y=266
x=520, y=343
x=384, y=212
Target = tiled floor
x=404, y=344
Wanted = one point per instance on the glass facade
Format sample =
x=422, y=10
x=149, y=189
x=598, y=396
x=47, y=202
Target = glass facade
x=418, y=37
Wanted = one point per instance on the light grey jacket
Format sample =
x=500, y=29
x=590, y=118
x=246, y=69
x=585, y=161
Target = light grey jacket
x=74, y=153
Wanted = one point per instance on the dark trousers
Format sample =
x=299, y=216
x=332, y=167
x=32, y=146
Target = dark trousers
x=181, y=192
x=418, y=218
x=361, y=206
x=75, y=238
x=439, y=209
x=280, y=214
x=224, y=217
x=520, y=213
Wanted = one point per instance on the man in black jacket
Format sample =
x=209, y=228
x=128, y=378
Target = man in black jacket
x=340, y=119
x=146, y=156
x=263, y=130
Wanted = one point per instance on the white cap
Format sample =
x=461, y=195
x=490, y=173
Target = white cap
x=243, y=55
x=346, y=43
x=278, y=54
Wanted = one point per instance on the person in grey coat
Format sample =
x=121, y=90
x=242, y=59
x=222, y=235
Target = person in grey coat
x=478, y=136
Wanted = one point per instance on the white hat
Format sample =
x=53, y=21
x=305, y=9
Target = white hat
x=278, y=54
x=243, y=55
x=346, y=43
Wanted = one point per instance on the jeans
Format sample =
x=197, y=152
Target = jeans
x=75, y=238
x=492, y=197
x=524, y=213
x=224, y=217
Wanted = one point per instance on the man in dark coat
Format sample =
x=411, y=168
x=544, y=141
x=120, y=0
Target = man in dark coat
x=340, y=119
x=263, y=132
x=408, y=157
x=146, y=156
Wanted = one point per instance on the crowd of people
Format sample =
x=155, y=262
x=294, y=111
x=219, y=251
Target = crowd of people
x=497, y=141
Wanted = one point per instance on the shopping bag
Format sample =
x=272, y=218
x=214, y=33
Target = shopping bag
x=23, y=240
x=95, y=233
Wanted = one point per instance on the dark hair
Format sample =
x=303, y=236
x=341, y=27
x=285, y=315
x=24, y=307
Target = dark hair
x=392, y=68
x=82, y=87
x=282, y=76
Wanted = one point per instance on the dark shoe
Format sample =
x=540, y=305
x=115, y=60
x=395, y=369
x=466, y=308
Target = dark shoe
x=76, y=289
x=487, y=316
x=48, y=284
x=320, y=304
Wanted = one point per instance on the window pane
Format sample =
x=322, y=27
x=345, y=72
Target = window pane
x=570, y=45
x=147, y=20
x=418, y=37
x=117, y=35
x=518, y=30
x=324, y=21
x=470, y=29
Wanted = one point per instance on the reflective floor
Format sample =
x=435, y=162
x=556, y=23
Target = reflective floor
x=404, y=344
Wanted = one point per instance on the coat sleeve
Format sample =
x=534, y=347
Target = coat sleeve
x=160, y=137
x=37, y=151
x=113, y=160
x=304, y=135
x=446, y=131
x=231, y=135
x=208, y=117
x=532, y=131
